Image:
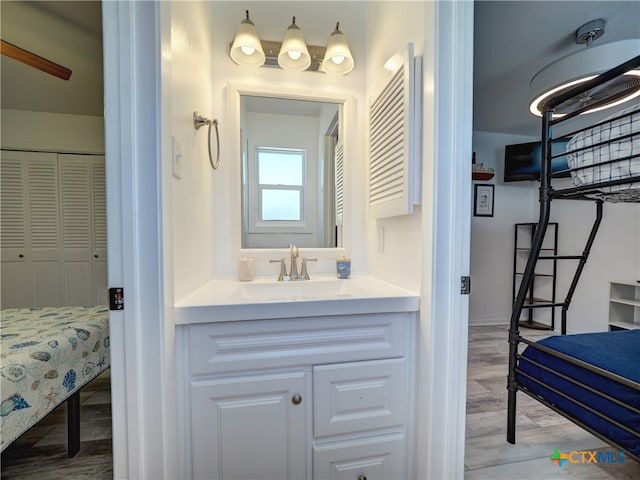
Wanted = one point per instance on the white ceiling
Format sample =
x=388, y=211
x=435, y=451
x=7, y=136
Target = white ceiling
x=513, y=41
x=67, y=33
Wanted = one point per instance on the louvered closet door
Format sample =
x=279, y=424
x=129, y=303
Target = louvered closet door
x=13, y=239
x=30, y=237
x=83, y=245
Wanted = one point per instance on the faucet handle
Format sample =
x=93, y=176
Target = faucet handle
x=283, y=268
x=304, y=273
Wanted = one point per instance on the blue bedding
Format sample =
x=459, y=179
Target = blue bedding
x=617, y=352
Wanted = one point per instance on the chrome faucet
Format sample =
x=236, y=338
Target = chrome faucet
x=293, y=267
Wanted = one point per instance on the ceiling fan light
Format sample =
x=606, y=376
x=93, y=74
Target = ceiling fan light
x=246, y=48
x=338, y=59
x=294, y=54
x=580, y=67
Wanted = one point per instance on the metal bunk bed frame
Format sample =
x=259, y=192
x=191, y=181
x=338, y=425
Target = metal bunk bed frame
x=547, y=194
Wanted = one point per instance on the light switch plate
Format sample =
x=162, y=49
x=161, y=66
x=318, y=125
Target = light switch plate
x=177, y=158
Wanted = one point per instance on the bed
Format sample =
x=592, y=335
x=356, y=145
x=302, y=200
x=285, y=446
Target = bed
x=47, y=355
x=602, y=394
x=591, y=379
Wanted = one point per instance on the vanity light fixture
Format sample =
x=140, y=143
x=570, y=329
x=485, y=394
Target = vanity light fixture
x=338, y=58
x=294, y=54
x=246, y=48
x=581, y=67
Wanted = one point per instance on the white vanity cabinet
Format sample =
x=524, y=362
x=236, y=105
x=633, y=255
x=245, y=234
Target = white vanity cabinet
x=300, y=398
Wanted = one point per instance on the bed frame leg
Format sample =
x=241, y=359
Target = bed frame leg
x=512, y=387
x=73, y=424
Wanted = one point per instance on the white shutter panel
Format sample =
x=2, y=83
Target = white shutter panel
x=42, y=178
x=12, y=208
x=394, y=154
x=339, y=176
x=75, y=203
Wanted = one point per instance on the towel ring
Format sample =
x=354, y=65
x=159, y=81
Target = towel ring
x=199, y=121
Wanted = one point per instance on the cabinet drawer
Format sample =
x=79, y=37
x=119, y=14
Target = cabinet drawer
x=265, y=344
x=373, y=458
x=359, y=396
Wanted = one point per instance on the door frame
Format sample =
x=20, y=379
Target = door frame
x=135, y=34
x=137, y=129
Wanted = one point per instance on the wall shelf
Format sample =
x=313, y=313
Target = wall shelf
x=542, y=292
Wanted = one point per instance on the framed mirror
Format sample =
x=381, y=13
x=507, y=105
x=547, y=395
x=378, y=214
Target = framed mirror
x=291, y=152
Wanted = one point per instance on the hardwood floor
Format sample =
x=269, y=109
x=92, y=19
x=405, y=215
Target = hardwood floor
x=42, y=451
x=539, y=429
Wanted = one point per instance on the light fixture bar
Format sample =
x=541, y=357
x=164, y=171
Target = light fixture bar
x=272, y=49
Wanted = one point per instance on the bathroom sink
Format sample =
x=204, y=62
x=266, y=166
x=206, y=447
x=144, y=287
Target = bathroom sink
x=316, y=288
x=226, y=300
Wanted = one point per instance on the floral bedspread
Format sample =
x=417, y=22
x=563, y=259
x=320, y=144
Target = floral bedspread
x=47, y=354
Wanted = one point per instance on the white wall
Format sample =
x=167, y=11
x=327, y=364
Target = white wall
x=193, y=195
x=615, y=254
x=492, y=237
x=51, y=132
x=394, y=245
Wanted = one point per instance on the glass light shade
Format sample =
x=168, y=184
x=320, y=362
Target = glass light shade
x=246, y=48
x=294, y=54
x=337, y=58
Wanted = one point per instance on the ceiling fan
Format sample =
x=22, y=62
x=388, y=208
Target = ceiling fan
x=33, y=60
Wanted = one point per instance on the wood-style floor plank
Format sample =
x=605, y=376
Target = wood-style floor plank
x=539, y=429
x=41, y=452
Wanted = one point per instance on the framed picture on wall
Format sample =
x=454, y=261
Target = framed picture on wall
x=483, y=200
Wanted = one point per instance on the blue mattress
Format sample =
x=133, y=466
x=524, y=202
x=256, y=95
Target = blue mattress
x=617, y=352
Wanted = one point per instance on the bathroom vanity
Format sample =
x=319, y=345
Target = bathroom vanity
x=297, y=382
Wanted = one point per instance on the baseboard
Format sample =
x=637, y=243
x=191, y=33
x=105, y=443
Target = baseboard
x=486, y=322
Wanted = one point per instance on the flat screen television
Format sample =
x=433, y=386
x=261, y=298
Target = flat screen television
x=522, y=161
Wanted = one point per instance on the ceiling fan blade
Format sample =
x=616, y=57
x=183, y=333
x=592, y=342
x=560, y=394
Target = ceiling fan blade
x=34, y=60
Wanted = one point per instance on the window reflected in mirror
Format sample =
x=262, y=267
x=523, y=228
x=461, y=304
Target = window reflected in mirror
x=289, y=150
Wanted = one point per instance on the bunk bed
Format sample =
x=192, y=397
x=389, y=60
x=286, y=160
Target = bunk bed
x=592, y=379
x=47, y=355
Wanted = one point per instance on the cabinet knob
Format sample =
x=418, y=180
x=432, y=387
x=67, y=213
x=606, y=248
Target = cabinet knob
x=20, y=255
x=362, y=476
x=96, y=256
x=296, y=399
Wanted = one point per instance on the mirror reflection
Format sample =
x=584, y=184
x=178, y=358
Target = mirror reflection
x=291, y=165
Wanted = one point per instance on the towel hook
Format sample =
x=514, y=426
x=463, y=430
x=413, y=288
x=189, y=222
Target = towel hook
x=199, y=121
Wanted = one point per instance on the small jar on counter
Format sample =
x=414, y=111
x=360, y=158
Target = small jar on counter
x=245, y=269
x=343, y=267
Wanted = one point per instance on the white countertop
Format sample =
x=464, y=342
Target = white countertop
x=223, y=300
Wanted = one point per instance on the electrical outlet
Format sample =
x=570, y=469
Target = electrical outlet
x=177, y=158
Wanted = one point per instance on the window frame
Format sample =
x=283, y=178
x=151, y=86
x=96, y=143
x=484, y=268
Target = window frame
x=256, y=223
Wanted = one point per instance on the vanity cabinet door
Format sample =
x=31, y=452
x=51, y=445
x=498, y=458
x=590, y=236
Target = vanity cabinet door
x=250, y=427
